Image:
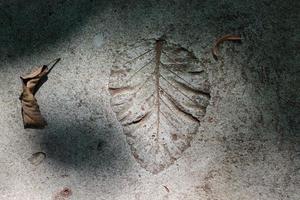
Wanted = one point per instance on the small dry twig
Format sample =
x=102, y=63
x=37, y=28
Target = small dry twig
x=167, y=189
x=229, y=37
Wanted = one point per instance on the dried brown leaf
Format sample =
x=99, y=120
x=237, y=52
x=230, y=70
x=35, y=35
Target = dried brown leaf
x=220, y=40
x=32, y=117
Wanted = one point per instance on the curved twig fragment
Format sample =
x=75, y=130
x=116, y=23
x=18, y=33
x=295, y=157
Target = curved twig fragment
x=229, y=37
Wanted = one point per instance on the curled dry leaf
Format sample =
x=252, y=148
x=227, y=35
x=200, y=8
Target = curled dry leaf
x=159, y=94
x=220, y=40
x=37, y=158
x=32, y=117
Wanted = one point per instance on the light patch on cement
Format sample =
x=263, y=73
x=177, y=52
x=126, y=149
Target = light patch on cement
x=99, y=40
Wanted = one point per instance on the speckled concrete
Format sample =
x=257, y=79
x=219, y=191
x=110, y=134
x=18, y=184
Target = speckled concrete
x=246, y=148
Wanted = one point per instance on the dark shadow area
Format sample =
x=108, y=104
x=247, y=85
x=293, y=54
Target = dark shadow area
x=27, y=26
x=82, y=146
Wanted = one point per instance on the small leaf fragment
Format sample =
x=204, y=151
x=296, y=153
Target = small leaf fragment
x=229, y=37
x=37, y=158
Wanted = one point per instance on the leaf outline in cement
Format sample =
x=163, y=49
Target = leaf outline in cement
x=159, y=92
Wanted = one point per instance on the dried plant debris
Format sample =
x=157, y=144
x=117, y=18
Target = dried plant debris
x=229, y=37
x=166, y=188
x=32, y=117
x=65, y=193
x=37, y=158
x=160, y=92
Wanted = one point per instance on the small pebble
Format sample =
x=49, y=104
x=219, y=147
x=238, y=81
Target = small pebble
x=37, y=158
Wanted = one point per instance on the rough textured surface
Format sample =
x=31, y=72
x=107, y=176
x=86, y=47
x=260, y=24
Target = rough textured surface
x=248, y=143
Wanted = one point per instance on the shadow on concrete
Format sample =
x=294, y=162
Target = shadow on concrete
x=28, y=26
x=83, y=145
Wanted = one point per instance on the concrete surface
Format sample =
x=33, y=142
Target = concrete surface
x=247, y=146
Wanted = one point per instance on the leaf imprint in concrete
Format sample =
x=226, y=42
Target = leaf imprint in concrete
x=160, y=92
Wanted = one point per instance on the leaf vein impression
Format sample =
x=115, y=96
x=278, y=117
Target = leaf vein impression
x=158, y=50
x=164, y=94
